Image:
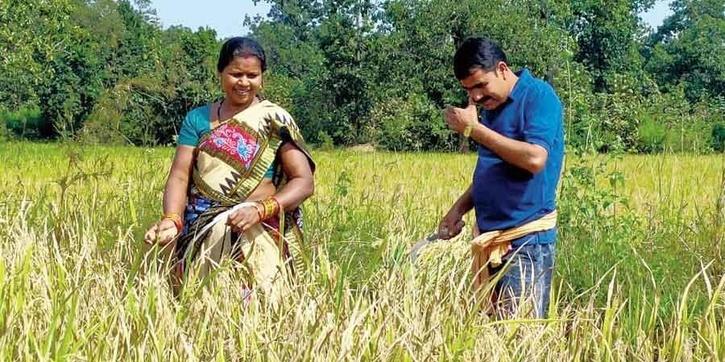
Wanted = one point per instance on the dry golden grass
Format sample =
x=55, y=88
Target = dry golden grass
x=77, y=284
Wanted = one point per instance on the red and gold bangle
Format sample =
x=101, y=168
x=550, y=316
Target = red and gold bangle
x=260, y=210
x=268, y=208
x=176, y=218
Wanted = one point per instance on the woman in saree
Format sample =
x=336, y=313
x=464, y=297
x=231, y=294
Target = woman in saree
x=239, y=174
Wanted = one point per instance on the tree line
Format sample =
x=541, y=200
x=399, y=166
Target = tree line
x=364, y=71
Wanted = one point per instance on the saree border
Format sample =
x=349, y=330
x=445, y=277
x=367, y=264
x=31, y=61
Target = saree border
x=251, y=177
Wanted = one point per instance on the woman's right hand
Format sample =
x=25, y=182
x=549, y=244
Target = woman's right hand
x=161, y=232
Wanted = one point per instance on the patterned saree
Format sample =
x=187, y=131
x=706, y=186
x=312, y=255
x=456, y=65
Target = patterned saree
x=230, y=162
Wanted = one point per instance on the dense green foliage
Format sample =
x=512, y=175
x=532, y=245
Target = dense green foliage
x=362, y=71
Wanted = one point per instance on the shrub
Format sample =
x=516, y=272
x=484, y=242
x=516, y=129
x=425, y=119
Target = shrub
x=411, y=124
x=718, y=137
x=652, y=136
x=325, y=141
x=26, y=122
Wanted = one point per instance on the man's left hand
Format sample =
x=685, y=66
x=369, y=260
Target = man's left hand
x=458, y=118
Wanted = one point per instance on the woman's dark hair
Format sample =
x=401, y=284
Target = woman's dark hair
x=240, y=47
x=476, y=53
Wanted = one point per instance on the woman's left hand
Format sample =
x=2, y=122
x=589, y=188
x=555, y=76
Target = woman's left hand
x=243, y=219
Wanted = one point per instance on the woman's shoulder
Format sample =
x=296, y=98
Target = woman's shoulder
x=201, y=112
x=196, y=123
x=274, y=106
x=198, y=118
x=280, y=113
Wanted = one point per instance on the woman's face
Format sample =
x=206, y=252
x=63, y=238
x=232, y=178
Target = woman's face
x=241, y=80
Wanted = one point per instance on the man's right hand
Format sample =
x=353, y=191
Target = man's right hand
x=451, y=225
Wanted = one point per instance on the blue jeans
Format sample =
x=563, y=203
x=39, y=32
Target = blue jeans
x=526, y=278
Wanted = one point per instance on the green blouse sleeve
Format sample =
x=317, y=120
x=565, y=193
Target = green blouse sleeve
x=195, y=124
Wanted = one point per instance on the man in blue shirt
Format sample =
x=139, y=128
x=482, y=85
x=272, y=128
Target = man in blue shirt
x=520, y=151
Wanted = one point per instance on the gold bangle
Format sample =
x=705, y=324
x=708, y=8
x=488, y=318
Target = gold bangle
x=176, y=218
x=270, y=207
x=260, y=209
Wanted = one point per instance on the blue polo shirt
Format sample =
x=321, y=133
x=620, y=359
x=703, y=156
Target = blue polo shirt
x=505, y=196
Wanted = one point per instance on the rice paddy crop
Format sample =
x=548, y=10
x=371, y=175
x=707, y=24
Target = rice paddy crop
x=639, y=273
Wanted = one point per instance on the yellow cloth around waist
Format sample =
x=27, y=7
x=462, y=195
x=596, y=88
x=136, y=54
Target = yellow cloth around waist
x=490, y=247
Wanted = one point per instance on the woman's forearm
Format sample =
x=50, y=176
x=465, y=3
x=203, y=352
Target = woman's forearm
x=175, y=194
x=178, y=182
x=294, y=192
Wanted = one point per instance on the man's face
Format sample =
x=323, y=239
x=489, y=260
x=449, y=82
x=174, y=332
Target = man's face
x=487, y=89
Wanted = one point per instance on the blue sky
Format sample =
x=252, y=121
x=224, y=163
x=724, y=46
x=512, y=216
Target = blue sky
x=224, y=16
x=658, y=13
x=227, y=16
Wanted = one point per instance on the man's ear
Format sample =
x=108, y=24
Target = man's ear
x=502, y=68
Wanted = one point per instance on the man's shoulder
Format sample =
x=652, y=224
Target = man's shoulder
x=541, y=86
x=542, y=91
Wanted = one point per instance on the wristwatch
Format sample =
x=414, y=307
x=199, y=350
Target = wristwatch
x=468, y=129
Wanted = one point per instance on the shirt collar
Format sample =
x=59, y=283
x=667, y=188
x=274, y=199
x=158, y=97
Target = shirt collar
x=524, y=79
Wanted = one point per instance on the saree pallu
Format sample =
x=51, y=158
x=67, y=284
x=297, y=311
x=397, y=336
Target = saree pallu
x=230, y=162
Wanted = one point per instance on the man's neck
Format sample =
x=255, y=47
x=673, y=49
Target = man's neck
x=511, y=79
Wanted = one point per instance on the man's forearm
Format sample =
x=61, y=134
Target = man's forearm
x=464, y=203
x=523, y=155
